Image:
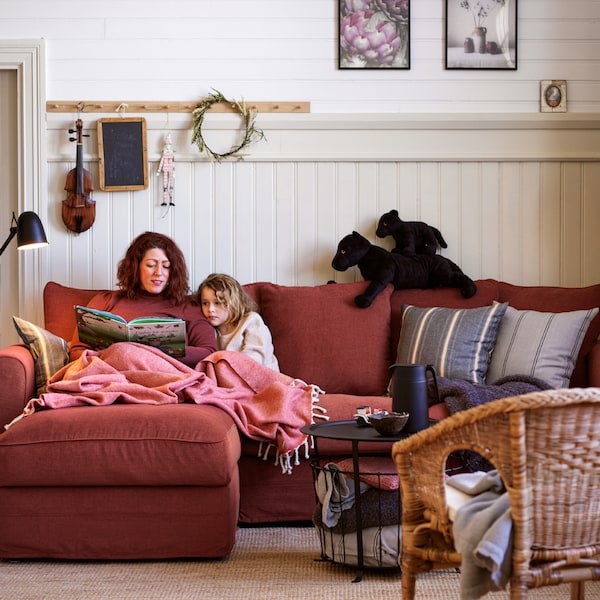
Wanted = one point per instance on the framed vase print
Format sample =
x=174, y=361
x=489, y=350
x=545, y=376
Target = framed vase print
x=481, y=34
x=374, y=34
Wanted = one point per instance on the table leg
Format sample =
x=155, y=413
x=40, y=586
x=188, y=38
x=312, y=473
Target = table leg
x=358, y=509
x=317, y=462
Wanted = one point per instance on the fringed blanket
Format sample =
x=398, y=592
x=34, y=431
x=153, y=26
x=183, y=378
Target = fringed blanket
x=266, y=406
x=461, y=395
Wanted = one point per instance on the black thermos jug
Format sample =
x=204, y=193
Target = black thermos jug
x=409, y=394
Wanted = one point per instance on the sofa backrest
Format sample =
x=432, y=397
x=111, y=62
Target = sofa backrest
x=322, y=337
x=319, y=334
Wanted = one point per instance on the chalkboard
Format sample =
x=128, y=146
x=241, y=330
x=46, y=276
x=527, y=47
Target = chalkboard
x=123, y=154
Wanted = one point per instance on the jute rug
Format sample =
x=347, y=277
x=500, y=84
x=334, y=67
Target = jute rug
x=271, y=563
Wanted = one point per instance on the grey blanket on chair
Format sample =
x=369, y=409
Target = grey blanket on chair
x=483, y=534
x=459, y=395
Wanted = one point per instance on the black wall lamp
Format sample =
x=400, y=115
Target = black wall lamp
x=29, y=231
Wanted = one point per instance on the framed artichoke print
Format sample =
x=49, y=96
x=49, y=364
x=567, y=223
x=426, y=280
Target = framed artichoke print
x=374, y=34
x=481, y=34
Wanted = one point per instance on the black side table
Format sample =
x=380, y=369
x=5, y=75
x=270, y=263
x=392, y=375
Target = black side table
x=351, y=431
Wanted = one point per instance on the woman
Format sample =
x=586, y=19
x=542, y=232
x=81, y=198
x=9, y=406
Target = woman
x=153, y=282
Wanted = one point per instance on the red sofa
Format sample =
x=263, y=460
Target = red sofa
x=130, y=481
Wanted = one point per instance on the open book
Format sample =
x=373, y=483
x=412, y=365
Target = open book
x=99, y=329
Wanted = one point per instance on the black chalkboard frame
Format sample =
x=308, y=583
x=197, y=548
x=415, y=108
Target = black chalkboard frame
x=123, y=154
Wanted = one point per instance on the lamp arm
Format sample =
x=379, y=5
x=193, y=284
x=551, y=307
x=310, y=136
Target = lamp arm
x=11, y=235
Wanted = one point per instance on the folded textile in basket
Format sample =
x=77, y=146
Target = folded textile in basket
x=381, y=546
x=378, y=508
x=483, y=533
x=335, y=493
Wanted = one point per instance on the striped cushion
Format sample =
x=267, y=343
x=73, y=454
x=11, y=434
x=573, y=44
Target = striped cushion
x=456, y=341
x=50, y=352
x=544, y=345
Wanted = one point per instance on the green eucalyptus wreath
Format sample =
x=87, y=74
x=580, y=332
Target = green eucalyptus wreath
x=248, y=115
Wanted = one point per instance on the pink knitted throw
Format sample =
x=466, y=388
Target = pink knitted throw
x=266, y=406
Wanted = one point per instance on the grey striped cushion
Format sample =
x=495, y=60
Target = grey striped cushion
x=544, y=345
x=457, y=342
x=49, y=351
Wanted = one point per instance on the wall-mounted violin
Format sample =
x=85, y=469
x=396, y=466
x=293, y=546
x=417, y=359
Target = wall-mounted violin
x=78, y=210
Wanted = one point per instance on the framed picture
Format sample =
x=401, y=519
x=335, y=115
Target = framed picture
x=374, y=34
x=481, y=34
x=553, y=96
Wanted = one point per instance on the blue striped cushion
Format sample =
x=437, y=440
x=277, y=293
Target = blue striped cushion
x=544, y=345
x=458, y=342
x=50, y=352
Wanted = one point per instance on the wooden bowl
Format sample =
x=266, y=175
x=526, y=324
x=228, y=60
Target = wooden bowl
x=390, y=423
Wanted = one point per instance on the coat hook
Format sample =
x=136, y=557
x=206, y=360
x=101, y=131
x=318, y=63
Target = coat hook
x=121, y=108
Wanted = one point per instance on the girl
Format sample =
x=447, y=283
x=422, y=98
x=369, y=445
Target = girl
x=232, y=313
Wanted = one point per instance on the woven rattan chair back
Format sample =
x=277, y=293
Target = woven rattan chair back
x=546, y=448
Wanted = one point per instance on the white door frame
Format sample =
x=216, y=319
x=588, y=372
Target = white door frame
x=28, y=59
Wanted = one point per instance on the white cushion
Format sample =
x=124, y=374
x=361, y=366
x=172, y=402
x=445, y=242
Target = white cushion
x=455, y=498
x=543, y=345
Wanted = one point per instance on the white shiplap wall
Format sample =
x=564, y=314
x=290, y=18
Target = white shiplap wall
x=287, y=50
x=516, y=199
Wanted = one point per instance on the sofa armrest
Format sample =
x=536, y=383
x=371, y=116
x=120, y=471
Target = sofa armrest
x=18, y=381
x=594, y=365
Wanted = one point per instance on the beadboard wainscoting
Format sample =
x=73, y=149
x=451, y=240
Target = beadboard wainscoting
x=517, y=197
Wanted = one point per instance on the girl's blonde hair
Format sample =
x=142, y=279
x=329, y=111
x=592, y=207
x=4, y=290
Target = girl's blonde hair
x=230, y=293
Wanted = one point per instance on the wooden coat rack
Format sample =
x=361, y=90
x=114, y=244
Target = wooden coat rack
x=107, y=106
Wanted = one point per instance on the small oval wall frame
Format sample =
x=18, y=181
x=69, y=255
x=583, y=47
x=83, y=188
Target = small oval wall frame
x=553, y=96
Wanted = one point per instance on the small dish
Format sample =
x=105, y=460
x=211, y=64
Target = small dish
x=390, y=423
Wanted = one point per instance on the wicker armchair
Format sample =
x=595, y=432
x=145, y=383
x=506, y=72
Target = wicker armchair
x=546, y=448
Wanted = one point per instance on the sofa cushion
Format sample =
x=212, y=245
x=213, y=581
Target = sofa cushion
x=376, y=471
x=559, y=299
x=458, y=342
x=59, y=311
x=322, y=337
x=544, y=345
x=121, y=444
x=50, y=352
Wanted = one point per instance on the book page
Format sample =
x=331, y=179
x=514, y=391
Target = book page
x=99, y=329
x=166, y=334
